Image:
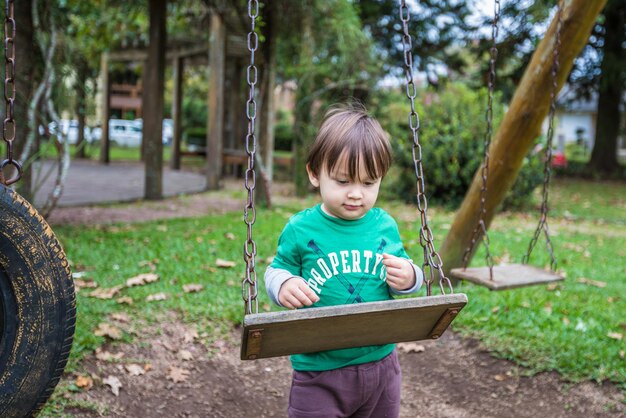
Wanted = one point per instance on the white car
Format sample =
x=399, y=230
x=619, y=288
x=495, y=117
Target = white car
x=69, y=128
x=128, y=133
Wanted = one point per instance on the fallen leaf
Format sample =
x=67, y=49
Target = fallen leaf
x=107, y=330
x=156, y=297
x=84, y=382
x=616, y=335
x=495, y=309
x=230, y=283
x=229, y=235
x=105, y=292
x=114, y=383
x=85, y=284
x=177, y=375
x=120, y=317
x=411, y=347
x=622, y=354
x=225, y=263
x=125, y=300
x=590, y=282
x=192, y=288
x=269, y=260
x=184, y=355
x=106, y=356
x=134, y=369
x=266, y=307
x=565, y=320
x=161, y=228
x=499, y=377
x=190, y=335
x=552, y=286
x=548, y=308
x=142, y=279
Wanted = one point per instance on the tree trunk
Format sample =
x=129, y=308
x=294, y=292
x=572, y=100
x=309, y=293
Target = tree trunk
x=81, y=80
x=521, y=124
x=28, y=66
x=105, y=85
x=266, y=109
x=302, y=121
x=177, y=98
x=604, y=155
x=215, y=124
x=153, y=101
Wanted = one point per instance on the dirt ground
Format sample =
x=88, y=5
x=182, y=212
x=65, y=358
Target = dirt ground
x=170, y=372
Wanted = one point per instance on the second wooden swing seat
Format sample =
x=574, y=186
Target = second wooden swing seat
x=506, y=276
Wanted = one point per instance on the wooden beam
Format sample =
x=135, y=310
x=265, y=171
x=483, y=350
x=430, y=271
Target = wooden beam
x=177, y=95
x=236, y=46
x=106, y=109
x=215, y=124
x=521, y=124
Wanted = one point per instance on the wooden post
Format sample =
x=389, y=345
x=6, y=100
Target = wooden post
x=521, y=124
x=267, y=109
x=215, y=124
x=152, y=103
x=177, y=94
x=106, y=109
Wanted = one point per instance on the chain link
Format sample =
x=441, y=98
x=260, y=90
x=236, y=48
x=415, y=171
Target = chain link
x=542, y=225
x=249, y=282
x=8, y=126
x=432, y=260
x=481, y=228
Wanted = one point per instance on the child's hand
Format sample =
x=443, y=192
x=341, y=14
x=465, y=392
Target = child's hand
x=294, y=293
x=400, y=272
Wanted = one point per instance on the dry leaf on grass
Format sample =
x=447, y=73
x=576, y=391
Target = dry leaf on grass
x=105, y=292
x=114, y=383
x=84, y=382
x=120, y=317
x=190, y=335
x=125, y=300
x=184, y=355
x=156, y=297
x=85, y=284
x=107, y=330
x=192, y=288
x=106, y=356
x=177, y=375
x=615, y=335
x=142, y=279
x=411, y=347
x=590, y=282
x=134, y=369
x=225, y=263
x=229, y=235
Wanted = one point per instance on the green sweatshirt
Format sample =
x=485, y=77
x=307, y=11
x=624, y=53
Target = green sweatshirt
x=341, y=260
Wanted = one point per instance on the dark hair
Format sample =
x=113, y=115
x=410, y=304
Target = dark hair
x=350, y=132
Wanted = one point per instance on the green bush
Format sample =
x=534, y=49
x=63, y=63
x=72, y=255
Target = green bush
x=451, y=134
x=283, y=131
x=195, y=137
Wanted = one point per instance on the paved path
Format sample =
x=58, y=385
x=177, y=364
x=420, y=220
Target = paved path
x=89, y=182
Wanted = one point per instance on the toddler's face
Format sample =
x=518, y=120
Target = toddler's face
x=342, y=197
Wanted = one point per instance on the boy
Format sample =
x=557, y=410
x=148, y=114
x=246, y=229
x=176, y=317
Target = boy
x=344, y=251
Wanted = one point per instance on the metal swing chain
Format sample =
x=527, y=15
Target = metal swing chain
x=432, y=260
x=249, y=282
x=543, y=221
x=481, y=228
x=8, y=126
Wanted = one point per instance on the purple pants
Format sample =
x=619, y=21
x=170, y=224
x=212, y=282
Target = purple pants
x=365, y=390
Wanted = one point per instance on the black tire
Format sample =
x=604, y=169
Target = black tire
x=37, y=308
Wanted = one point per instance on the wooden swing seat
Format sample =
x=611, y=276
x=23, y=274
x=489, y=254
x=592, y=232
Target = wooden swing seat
x=274, y=334
x=506, y=276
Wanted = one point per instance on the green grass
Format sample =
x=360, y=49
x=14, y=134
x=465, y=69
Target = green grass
x=565, y=329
